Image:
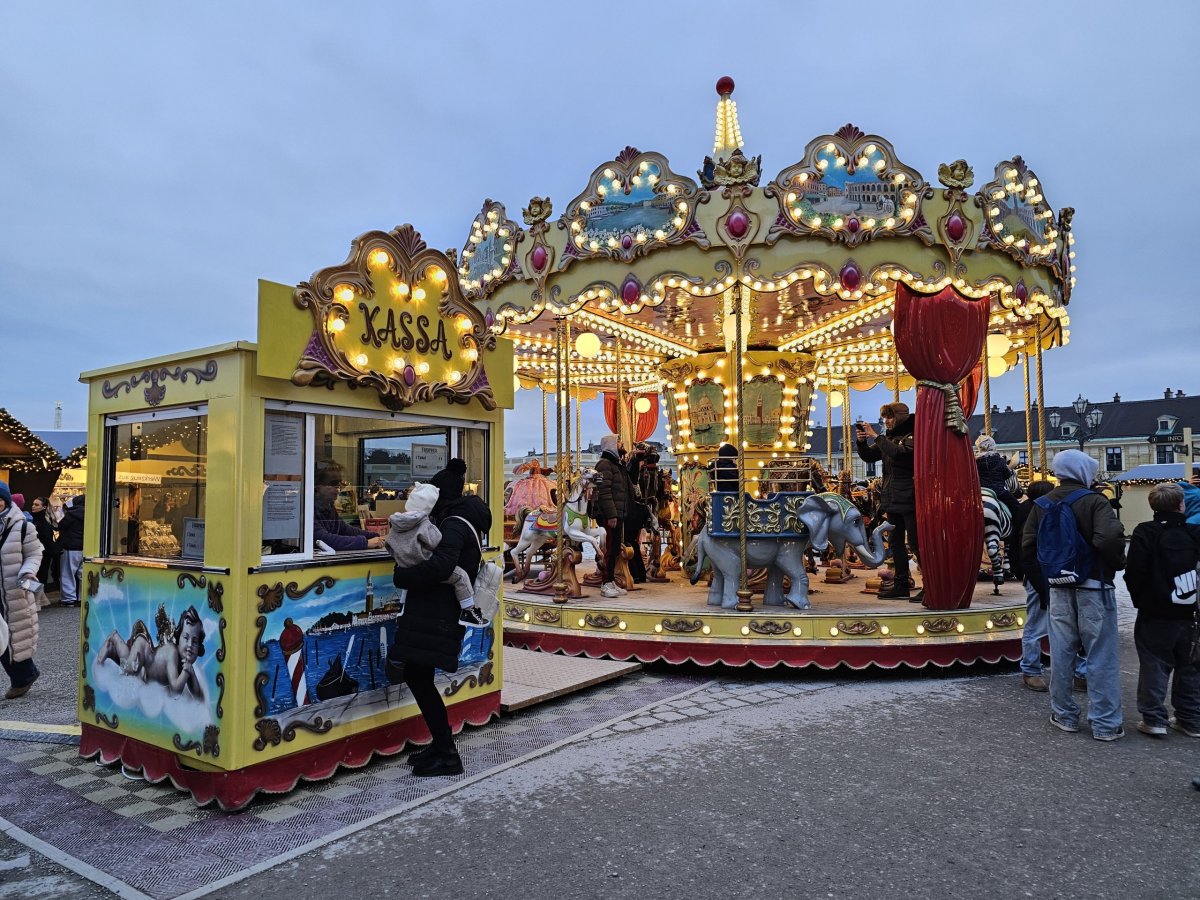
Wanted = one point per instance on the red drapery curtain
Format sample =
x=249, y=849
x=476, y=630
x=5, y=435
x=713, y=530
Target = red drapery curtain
x=643, y=423
x=940, y=339
x=968, y=394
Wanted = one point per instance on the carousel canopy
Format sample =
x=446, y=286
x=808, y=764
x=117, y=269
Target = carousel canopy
x=649, y=265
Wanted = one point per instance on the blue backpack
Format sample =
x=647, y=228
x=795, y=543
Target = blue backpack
x=1064, y=555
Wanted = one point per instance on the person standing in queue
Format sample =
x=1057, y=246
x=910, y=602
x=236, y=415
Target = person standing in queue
x=20, y=558
x=898, y=495
x=614, y=495
x=429, y=634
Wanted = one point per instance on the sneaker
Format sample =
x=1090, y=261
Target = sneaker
x=1079, y=684
x=1058, y=723
x=472, y=617
x=15, y=692
x=610, y=590
x=620, y=590
x=1109, y=735
x=439, y=763
x=1153, y=730
x=1174, y=723
x=1035, y=683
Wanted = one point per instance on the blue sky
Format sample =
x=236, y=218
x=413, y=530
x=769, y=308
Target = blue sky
x=159, y=158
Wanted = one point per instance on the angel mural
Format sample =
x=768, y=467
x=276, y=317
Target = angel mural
x=169, y=662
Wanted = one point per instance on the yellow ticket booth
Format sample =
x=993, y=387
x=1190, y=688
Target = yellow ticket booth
x=235, y=630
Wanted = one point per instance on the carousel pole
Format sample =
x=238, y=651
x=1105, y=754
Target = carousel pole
x=847, y=462
x=560, y=584
x=1028, y=424
x=1041, y=399
x=567, y=396
x=743, y=592
x=578, y=433
x=895, y=373
x=829, y=426
x=987, y=394
x=545, y=438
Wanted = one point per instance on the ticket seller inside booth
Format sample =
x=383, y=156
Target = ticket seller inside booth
x=238, y=600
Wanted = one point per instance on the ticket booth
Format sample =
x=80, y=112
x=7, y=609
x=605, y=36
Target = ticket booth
x=224, y=644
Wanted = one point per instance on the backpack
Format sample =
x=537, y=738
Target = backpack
x=487, y=580
x=1064, y=555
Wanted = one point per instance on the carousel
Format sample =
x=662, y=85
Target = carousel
x=741, y=303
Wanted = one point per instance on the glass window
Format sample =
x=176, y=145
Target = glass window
x=1112, y=459
x=1022, y=457
x=342, y=476
x=1166, y=454
x=155, y=486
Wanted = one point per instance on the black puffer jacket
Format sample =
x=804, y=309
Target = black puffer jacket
x=1158, y=551
x=722, y=471
x=993, y=472
x=895, y=449
x=614, y=493
x=70, y=529
x=428, y=633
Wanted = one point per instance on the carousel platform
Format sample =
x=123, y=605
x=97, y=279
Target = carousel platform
x=844, y=627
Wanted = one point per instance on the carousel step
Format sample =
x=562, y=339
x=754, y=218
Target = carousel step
x=531, y=677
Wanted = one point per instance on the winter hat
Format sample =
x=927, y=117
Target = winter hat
x=1075, y=465
x=727, y=450
x=5, y=495
x=421, y=499
x=896, y=409
x=450, y=481
x=19, y=501
x=985, y=443
x=608, y=443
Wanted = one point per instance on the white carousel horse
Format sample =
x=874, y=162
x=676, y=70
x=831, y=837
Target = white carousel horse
x=540, y=527
x=997, y=527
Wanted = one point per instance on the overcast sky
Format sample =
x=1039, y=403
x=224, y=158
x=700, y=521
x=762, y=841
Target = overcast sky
x=158, y=158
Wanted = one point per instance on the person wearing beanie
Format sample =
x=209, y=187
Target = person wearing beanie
x=412, y=538
x=20, y=558
x=897, y=498
x=1083, y=615
x=610, y=507
x=429, y=633
x=450, y=483
x=19, y=502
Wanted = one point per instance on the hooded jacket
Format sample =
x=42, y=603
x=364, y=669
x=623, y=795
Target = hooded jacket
x=1159, y=550
x=895, y=450
x=412, y=537
x=723, y=470
x=20, y=555
x=614, y=493
x=1094, y=516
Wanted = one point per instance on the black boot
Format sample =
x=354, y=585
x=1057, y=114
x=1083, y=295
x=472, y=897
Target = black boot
x=421, y=754
x=439, y=762
x=918, y=597
x=898, y=590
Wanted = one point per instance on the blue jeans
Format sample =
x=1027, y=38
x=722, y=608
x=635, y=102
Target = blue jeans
x=1163, y=646
x=1086, y=618
x=1037, y=625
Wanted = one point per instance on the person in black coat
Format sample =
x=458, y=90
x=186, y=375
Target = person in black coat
x=429, y=634
x=70, y=546
x=48, y=573
x=611, y=506
x=722, y=471
x=898, y=495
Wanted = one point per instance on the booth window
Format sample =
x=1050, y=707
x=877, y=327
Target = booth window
x=343, y=475
x=154, y=488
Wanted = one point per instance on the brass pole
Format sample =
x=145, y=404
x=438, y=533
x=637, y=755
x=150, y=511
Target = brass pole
x=847, y=465
x=545, y=438
x=1028, y=423
x=1041, y=398
x=560, y=584
x=895, y=373
x=987, y=394
x=578, y=433
x=828, y=426
x=743, y=592
x=566, y=407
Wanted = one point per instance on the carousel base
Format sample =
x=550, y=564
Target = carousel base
x=233, y=789
x=844, y=627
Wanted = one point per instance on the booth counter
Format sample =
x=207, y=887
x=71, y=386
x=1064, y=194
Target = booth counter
x=221, y=645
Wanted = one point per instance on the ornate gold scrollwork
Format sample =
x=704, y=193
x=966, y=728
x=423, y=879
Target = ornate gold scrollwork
x=940, y=625
x=770, y=627
x=599, y=620
x=858, y=626
x=682, y=626
x=1004, y=620
x=269, y=731
x=1018, y=221
x=547, y=616
x=512, y=611
x=491, y=229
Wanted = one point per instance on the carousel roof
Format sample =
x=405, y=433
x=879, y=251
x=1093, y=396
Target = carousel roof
x=654, y=262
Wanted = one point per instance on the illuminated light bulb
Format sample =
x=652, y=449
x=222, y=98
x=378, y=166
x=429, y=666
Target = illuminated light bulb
x=419, y=293
x=337, y=325
x=423, y=368
x=706, y=630
x=920, y=629
x=378, y=259
x=658, y=628
x=343, y=294
x=884, y=630
x=361, y=359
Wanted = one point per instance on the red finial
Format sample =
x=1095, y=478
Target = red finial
x=724, y=85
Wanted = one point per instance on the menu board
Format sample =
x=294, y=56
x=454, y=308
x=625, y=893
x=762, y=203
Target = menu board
x=428, y=459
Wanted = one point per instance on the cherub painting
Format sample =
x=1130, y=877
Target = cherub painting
x=170, y=662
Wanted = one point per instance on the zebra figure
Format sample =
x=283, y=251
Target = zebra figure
x=997, y=527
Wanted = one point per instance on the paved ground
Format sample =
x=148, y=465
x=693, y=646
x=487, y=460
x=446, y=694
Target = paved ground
x=673, y=783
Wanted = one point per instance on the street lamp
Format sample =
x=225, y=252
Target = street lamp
x=1089, y=420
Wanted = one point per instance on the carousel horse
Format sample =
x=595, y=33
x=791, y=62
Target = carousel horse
x=997, y=528
x=541, y=526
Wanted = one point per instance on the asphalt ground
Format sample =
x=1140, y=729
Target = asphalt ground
x=746, y=783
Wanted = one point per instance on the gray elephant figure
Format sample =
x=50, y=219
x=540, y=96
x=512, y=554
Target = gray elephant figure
x=829, y=519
